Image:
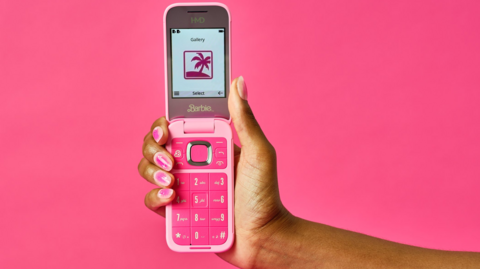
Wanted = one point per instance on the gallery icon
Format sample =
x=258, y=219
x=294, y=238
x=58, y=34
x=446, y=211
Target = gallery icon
x=198, y=64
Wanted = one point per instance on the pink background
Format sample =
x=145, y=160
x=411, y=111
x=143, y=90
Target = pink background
x=373, y=107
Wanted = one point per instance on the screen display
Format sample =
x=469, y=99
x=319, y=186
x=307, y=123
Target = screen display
x=198, y=63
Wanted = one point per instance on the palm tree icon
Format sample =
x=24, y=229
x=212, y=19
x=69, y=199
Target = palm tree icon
x=202, y=62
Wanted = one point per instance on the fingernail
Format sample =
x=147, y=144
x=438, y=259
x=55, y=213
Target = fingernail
x=165, y=193
x=162, y=178
x=242, y=88
x=157, y=133
x=163, y=161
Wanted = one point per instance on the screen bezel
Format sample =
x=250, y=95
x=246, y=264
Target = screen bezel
x=179, y=17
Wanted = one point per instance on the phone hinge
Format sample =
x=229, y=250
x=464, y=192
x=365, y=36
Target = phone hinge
x=199, y=126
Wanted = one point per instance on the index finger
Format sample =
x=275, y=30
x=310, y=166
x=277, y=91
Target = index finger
x=159, y=131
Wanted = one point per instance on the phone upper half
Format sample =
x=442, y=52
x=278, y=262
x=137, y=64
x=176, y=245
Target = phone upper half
x=197, y=61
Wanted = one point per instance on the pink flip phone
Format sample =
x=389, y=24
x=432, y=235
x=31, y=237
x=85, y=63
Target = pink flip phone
x=197, y=83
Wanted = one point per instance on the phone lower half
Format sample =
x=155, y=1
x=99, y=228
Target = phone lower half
x=201, y=217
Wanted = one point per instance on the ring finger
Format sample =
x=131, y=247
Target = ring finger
x=155, y=175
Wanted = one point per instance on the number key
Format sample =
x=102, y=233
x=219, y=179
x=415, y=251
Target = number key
x=218, y=182
x=199, y=217
x=199, y=182
x=182, y=200
x=218, y=199
x=199, y=235
x=180, y=217
x=182, y=182
x=199, y=199
x=218, y=217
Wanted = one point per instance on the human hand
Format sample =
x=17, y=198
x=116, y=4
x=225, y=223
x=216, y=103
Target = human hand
x=259, y=212
x=266, y=234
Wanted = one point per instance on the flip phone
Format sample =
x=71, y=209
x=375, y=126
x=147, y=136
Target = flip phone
x=197, y=76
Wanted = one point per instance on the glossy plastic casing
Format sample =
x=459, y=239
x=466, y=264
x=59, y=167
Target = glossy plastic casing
x=201, y=128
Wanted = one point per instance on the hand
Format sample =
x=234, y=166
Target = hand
x=266, y=234
x=259, y=212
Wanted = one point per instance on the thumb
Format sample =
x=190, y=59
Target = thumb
x=248, y=130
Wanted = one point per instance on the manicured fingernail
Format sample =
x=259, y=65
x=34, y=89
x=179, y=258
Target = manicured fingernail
x=242, y=88
x=162, y=178
x=163, y=161
x=157, y=133
x=165, y=193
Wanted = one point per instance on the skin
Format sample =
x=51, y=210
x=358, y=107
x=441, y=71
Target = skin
x=267, y=235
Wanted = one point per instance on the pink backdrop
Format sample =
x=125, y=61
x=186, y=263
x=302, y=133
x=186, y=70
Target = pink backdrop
x=373, y=107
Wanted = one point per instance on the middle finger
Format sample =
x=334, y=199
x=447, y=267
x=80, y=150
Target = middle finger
x=157, y=154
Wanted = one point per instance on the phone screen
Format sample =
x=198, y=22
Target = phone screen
x=198, y=63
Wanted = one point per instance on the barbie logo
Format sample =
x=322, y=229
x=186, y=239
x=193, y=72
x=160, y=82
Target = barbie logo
x=194, y=108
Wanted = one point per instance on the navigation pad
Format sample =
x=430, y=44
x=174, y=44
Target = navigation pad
x=200, y=153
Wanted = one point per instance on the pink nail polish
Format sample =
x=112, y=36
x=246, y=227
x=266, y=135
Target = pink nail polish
x=157, y=133
x=165, y=193
x=162, y=178
x=242, y=88
x=163, y=161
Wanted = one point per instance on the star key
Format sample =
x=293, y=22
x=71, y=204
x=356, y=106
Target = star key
x=181, y=235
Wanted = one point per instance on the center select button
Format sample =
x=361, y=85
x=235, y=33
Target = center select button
x=199, y=153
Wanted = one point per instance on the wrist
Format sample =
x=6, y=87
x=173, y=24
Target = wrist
x=279, y=242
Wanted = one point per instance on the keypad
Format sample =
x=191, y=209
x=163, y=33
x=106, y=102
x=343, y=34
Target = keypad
x=200, y=210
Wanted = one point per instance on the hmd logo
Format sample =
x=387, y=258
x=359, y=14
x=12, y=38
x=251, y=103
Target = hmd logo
x=197, y=20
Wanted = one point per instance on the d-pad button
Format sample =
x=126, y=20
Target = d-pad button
x=199, y=153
